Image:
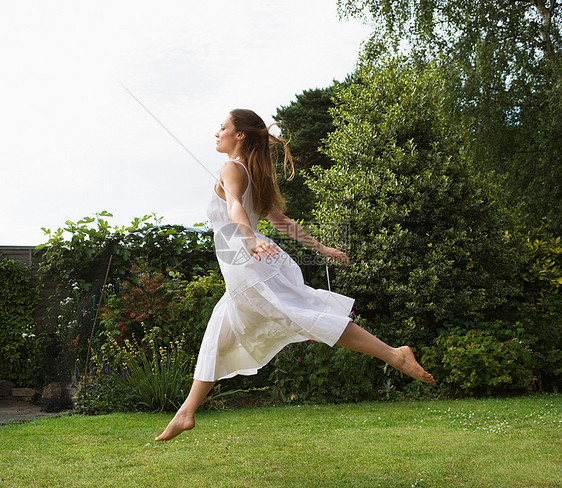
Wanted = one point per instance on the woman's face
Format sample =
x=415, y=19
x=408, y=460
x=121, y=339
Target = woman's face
x=227, y=137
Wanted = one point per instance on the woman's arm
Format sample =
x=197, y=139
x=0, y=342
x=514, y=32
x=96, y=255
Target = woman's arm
x=234, y=179
x=288, y=226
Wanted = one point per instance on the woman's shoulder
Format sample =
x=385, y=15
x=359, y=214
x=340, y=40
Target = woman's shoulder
x=233, y=170
x=233, y=166
x=233, y=162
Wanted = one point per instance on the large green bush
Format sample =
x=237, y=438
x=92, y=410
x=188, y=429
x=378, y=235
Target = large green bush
x=432, y=246
x=22, y=351
x=427, y=240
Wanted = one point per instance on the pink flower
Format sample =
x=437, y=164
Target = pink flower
x=299, y=360
x=312, y=342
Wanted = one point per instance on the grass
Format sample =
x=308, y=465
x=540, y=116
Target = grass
x=465, y=443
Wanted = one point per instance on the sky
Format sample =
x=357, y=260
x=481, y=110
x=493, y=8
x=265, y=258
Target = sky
x=75, y=142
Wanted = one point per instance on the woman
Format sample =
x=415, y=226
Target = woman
x=266, y=305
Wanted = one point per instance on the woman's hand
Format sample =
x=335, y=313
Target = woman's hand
x=333, y=253
x=261, y=248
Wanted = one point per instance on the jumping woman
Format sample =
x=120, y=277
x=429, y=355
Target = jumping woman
x=266, y=304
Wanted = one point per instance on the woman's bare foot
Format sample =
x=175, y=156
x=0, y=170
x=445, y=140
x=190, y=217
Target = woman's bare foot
x=407, y=364
x=176, y=426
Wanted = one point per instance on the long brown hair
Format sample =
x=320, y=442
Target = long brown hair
x=256, y=152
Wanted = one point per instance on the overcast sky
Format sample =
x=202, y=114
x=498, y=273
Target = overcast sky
x=74, y=142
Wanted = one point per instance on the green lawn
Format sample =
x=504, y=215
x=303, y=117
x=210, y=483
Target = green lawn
x=466, y=443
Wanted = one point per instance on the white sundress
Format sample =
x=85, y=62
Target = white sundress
x=266, y=305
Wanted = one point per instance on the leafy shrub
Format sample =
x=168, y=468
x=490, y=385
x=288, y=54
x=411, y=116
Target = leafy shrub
x=76, y=258
x=149, y=300
x=100, y=395
x=544, y=336
x=519, y=351
x=315, y=372
x=540, y=269
x=22, y=350
x=143, y=301
x=538, y=307
x=199, y=298
x=78, y=253
x=475, y=363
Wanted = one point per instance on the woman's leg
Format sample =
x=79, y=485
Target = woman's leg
x=402, y=358
x=185, y=416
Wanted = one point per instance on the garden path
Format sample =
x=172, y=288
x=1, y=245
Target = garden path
x=12, y=411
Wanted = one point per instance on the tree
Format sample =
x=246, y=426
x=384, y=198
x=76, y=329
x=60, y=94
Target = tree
x=503, y=63
x=528, y=31
x=304, y=123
